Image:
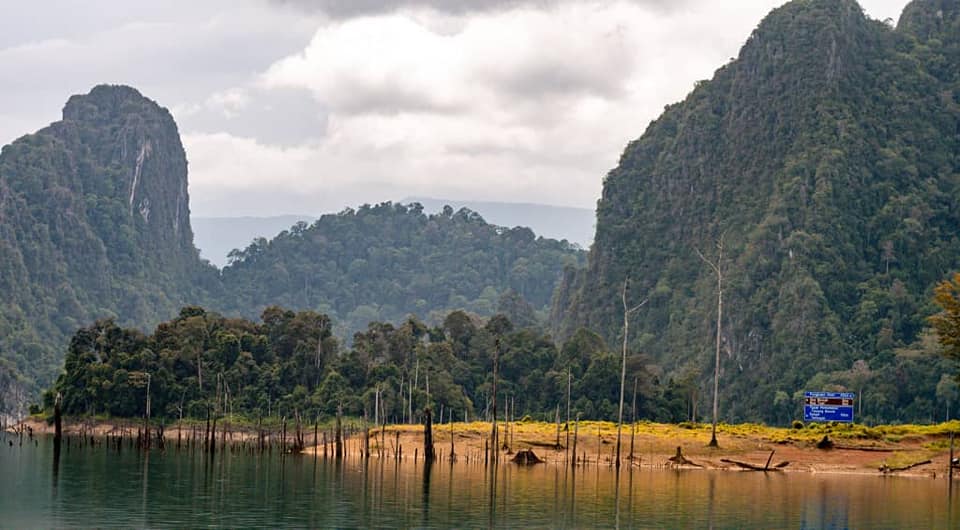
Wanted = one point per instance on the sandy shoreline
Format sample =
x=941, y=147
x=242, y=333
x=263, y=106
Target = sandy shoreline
x=653, y=444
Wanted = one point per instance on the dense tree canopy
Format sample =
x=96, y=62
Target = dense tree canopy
x=384, y=262
x=94, y=223
x=290, y=362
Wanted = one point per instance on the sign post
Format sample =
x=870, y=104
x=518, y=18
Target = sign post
x=828, y=406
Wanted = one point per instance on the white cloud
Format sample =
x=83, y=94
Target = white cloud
x=286, y=110
x=524, y=105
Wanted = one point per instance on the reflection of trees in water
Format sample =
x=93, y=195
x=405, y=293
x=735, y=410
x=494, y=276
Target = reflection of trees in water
x=427, y=472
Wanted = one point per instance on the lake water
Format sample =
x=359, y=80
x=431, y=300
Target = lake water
x=95, y=487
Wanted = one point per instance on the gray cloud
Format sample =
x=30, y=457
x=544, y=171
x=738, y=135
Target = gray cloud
x=280, y=116
x=310, y=106
x=341, y=9
x=176, y=52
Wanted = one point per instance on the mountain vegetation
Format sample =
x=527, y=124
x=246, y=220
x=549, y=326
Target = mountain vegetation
x=289, y=363
x=826, y=157
x=94, y=223
x=384, y=262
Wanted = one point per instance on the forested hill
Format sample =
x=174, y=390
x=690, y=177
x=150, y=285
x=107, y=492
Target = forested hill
x=94, y=222
x=384, y=262
x=827, y=158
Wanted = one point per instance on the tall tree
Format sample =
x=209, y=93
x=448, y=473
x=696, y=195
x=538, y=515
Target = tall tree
x=717, y=267
x=627, y=311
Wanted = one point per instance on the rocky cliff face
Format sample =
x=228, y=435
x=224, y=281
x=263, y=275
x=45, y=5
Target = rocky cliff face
x=94, y=222
x=136, y=141
x=826, y=157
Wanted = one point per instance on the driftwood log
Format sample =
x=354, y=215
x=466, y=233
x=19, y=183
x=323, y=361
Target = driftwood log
x=680, y=460
x=866, y=449
x=887, y=469
x=753, y=467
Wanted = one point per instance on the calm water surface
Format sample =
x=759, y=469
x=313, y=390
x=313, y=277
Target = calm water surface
x=100, y=487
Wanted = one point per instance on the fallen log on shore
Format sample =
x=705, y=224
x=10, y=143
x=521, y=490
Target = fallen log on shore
x=885, y=469
x=867, y=449
x=753, y=467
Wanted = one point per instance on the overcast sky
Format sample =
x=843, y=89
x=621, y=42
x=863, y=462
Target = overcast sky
x=290, y=106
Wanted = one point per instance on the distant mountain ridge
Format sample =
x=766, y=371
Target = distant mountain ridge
x=554, y=222
x=215, y=237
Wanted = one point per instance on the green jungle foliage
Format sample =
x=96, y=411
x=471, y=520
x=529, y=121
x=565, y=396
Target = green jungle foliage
x=94, y=223
x=290, y=362
x=827, y=157
x=384, y=262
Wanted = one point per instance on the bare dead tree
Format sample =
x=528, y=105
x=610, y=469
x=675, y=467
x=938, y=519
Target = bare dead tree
x=567, y=426
x=623, y=365
x=717, y=267
x=493, y=432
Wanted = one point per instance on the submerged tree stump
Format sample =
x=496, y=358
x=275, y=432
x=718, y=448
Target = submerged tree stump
x=526, y=457
x=680, y=460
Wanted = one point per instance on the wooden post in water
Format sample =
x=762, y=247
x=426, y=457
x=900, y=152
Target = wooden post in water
x=576, y=434
x=567, y=427
x=366, y=443
x=493, y=435
x=950, y=466
x=557, y=443
x=338, y=441
x=206, y=430
x=428, y=453
x=213, y=434
x=599, y=443
x=57, y=420
x=146, y=418
x=453, y=455
x=513, y=419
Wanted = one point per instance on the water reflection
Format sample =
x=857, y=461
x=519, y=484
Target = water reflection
x=90, y=487
x=425, y=500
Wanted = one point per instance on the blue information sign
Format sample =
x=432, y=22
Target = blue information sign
x=828, y=406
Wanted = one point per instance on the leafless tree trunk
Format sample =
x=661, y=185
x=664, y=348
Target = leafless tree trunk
x=339, y=433
x=428, y=452
x=567, y=427
x=717, y=268
x=633, y=424
x=494, y=445
x=623, y=365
